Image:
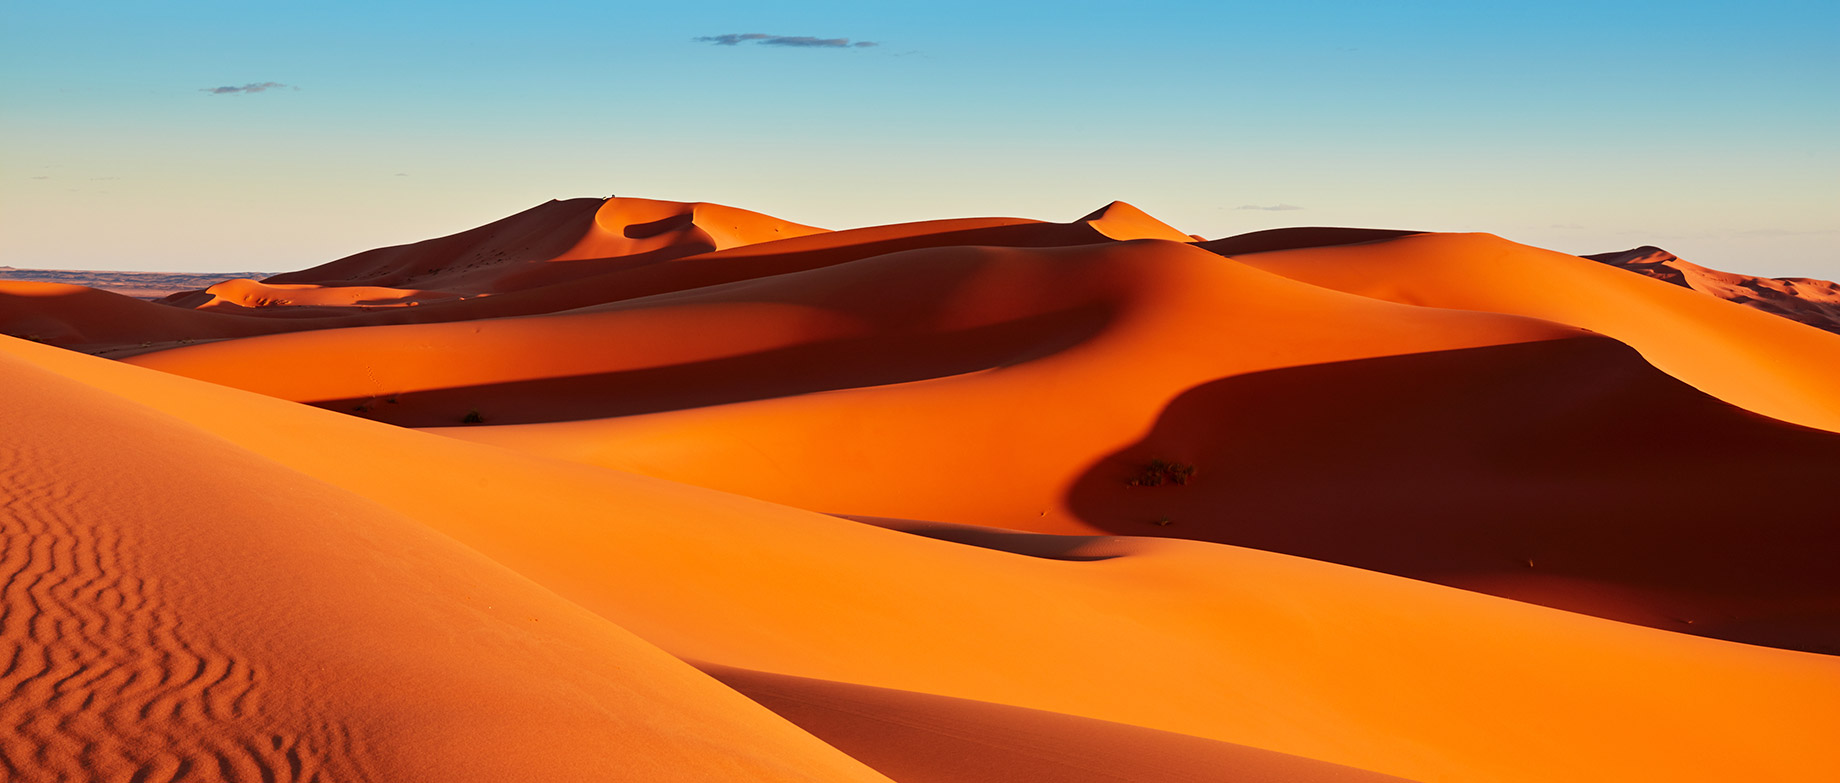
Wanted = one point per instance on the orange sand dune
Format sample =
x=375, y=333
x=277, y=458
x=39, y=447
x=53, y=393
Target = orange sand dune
x=553, y=243
x=178, y=608
x=1813, y=302
x=1122, y=221
x=918, y=315
x=1753, y=360
x=298, y=300
x=88, y=319
x=1293, y=238
x=1492, y=452
x=1219, y=643
x=518, y=266
x=917, y=738
x=1373, y=438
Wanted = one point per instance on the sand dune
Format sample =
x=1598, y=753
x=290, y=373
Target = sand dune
x=552, y=243
x=1758, y=362
x=140, y=285
x=1287, y=655
x=180, y=608
x=1812, y=302
x=702, y=494
x=918, y=737
x=1551, y=472
x=539, y=261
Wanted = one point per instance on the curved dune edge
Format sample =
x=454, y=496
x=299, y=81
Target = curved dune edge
x=921, y=738
x=542, y=260
x=1751, y=359
x=1500, y=453
x=1805, y=300
x=1412, y=440
x=1157, y=307
x=1289, y=655
x=176, y=606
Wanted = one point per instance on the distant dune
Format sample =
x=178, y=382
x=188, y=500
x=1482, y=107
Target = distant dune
x=640, y=490
x=1809, y=301
x=140, y=285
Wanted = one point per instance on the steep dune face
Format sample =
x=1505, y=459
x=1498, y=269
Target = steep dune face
x=1294, y=238
x=300, y=300
x=933, y=314
x=551, y=258
x=1804, y=300
x=1235, y=646
x=1424, y=442
x=1504, y=454
x=78, y=317
x=1122, y=221
x=971, y=499
x=917, y=738
x=532, y=236
x=1753, y=360
x=553, y=243
x=176, y=606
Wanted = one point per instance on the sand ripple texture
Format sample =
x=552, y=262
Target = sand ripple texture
x=634, y=490
x=103, y=679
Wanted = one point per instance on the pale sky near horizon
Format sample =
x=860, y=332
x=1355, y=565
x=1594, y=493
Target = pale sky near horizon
x=1709, y=129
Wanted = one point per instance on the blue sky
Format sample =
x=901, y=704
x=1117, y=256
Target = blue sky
x=1711, y=129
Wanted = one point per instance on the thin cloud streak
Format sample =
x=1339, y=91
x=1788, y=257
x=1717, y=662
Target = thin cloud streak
x=1272, y=208
x=796, y=41
x=252, y=87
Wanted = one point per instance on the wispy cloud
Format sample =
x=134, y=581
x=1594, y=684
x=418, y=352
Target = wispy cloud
x=1272, y=208
x=248, y=88
x=798, y=41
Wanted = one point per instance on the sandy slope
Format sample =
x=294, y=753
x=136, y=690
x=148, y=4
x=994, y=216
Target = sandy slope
x=1503, y=454
x=620, y=573
x=539, y=261
x=1751, y=359
x=552, y=243
x=916, y=738
x=1233, y=645
x=177, y=608
x=1806, y=300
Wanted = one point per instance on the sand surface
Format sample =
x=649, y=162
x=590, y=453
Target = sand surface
x=637, y=490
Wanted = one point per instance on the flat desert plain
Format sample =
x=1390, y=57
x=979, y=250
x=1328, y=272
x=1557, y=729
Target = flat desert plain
x=638, y=490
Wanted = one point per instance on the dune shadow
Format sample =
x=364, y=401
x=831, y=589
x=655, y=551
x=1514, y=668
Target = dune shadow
x=1076, y=549
x=917, y=736
x=1297, y=238
x=874, y=360
x=1574, y=457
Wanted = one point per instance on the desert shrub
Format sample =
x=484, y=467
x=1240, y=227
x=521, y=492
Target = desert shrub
x=1160, y=472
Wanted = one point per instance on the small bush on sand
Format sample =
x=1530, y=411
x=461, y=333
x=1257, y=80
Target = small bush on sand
x=472, y=417
x=1160, y=472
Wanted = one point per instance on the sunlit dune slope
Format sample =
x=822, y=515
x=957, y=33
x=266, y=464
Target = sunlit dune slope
x=1410, y=440
x=1509, y=455
x=528, y=270
x=177, y=607
x=922, y=738
x=79, y=317
x=1045, y=317
x=1122, y=221
x=553, y=243
x=1220, y=643
x=1812, y=302
x=1751, y=359
x=297, y=300
x=1300, y=237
